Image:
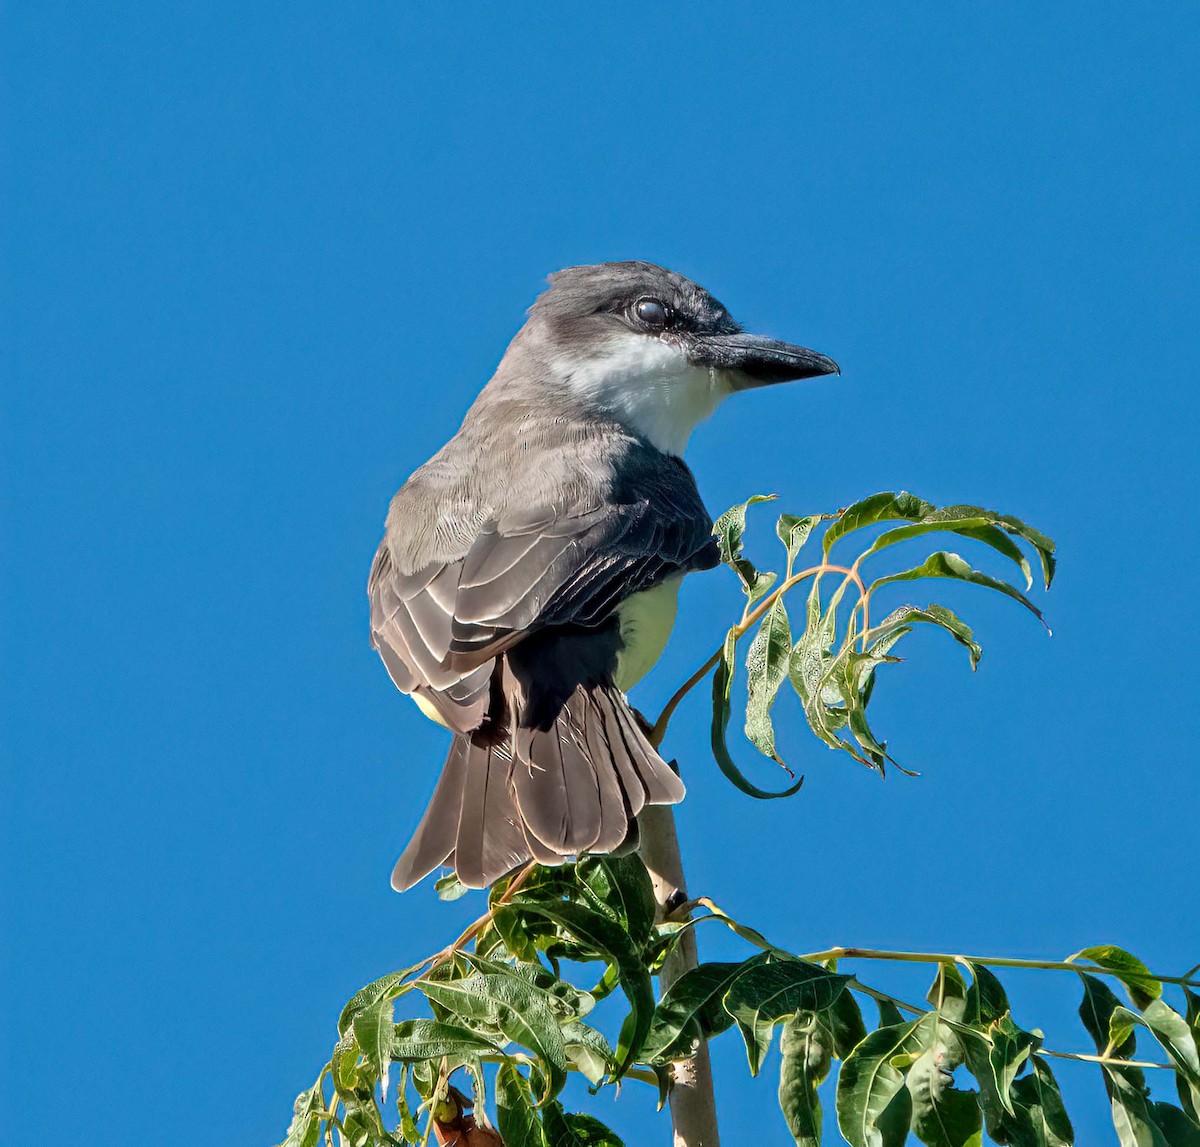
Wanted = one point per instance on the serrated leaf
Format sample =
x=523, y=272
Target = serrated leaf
x=722, y=684
x=806, y=1046
x=515, y=1109
x=760, y=997
x=1142, y=986
x=691, y=1009
x=868, y=1083
x=766, y=670
x=944, y=564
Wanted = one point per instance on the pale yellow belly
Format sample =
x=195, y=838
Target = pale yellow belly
x=646, y=621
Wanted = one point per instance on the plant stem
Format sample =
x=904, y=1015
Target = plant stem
x=991, y=961
x=693, y=1103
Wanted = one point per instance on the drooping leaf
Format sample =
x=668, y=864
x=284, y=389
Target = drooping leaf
x=587, y=1050
x=728, y=530
x=692, y=1008
x=569, y=1130
x=1143, y=987
x=1011, y=1047
x=415, y=1040
x=515, y=1109
x=1038, y=1093
x=986, y=998
x=806, y=1044
x=944, y=564
x=388, y=987
x=766, y=670
x=794, y=532
x=942, y=1116
x=1174, y=1036
x=722, y=684
x=763, y=995
x=885, y=507
x=373, y=1034
x=515, y=1008
x=626, y=888
x=607, y=938
x=869, y=1083
x=938, y=615
x=846, y=1023
x=305, y=1127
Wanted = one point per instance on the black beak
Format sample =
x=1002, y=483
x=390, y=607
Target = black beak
x=753, y=360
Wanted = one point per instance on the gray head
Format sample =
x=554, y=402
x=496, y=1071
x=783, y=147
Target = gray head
x=652, y=349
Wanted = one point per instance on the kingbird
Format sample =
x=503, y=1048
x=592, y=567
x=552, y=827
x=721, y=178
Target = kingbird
x=529, y=570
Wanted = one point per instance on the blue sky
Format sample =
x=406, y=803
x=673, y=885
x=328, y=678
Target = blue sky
x=258, y=261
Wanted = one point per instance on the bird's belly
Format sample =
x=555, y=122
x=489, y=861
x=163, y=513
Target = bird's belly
x=646, y=620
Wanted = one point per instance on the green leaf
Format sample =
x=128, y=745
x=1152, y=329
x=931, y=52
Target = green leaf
x=886, y=507
x=1010, y=1049
x=964, y=521
x=1038, y=1094
x=305, y=1127
x=722, y=683
x=624, y=885
x=937, y=615
x=846, y=1023
x=1143, y=987
x=947, y=565
x=1176, y=1128
x=389, y=987
x=408, y=1126
x=691, y=1008
x=868, y=1082
x=1175, y=1037
x=761, y=996
x=609, y=939
x=728, y=529
x=1096, y=1012
x=516, y=1009
x=373, y=1034
x=515, y=1109
x=449, y=887
x=564, y=1130
x=794, y=532
x=806, y=1043
x=986, y=998
x=889, y=1014
x=766, y=670
x=587, y=1050
x=415, y=1040
x=942, y=1116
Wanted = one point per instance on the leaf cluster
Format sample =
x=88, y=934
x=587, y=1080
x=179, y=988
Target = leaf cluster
x=831, y=660
x=504, y=1014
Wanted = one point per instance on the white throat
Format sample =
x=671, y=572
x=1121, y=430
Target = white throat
x=648, y=386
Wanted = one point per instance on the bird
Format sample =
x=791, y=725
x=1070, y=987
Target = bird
x=528, y=573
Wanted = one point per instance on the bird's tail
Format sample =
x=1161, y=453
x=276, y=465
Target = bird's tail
x=523, y=790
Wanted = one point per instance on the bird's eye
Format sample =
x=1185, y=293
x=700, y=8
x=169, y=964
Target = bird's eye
x=652, y=312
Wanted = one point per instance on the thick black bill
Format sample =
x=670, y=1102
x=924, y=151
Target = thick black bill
x=757, y=361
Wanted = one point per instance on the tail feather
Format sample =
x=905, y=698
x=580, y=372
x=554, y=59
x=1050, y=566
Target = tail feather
x=540, y=793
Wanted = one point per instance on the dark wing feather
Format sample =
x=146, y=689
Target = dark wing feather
x=439, y=627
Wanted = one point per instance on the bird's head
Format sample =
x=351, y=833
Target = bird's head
x=653, y=349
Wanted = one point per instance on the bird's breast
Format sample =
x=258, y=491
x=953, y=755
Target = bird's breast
x=646, y=620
